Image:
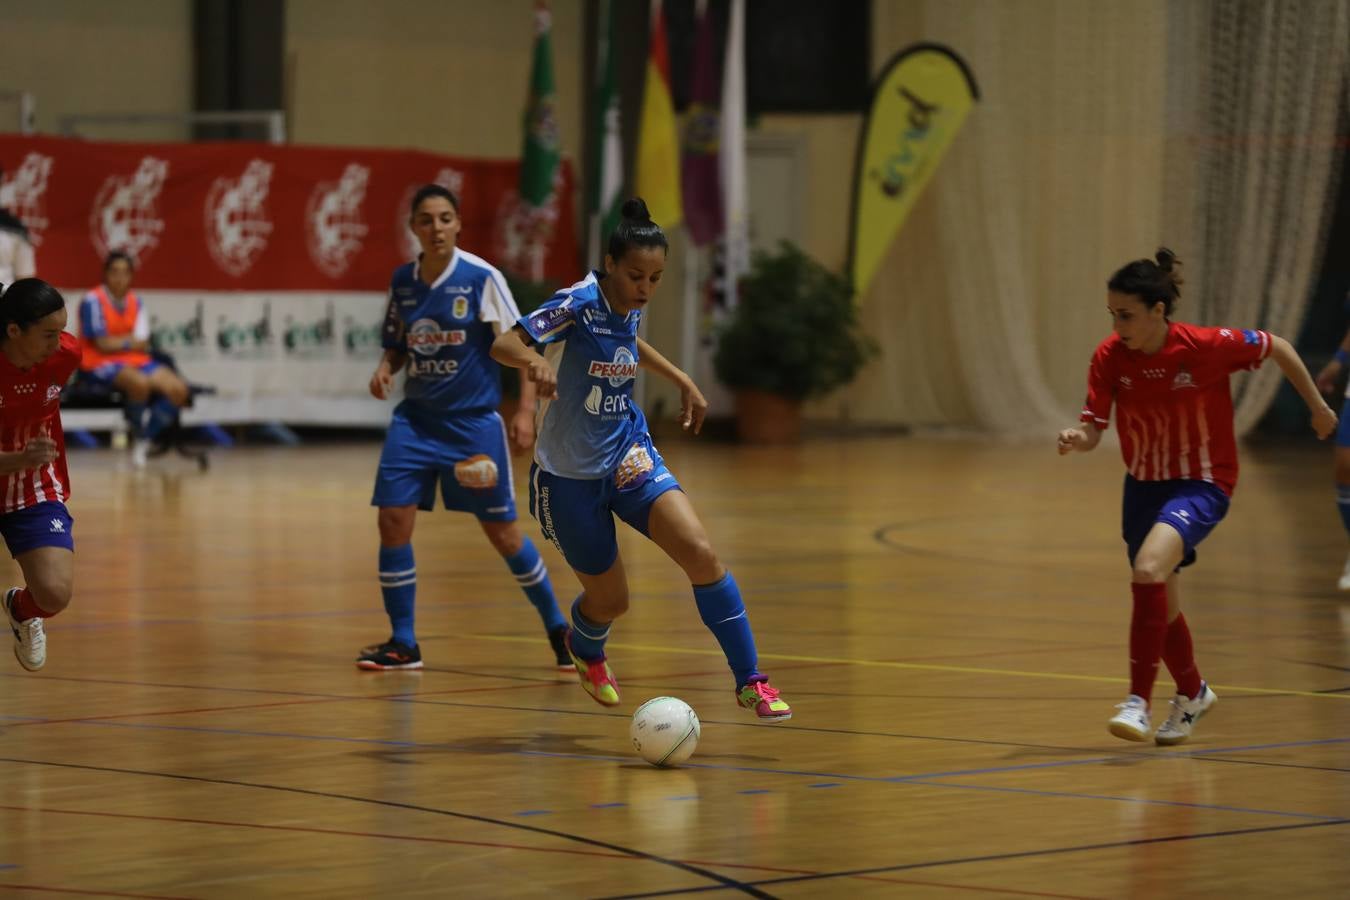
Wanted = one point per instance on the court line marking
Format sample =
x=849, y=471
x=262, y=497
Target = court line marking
x=1026, y=854
x=598, y=757
x=927, y=667
x=498, y=845
x=48, y=889
x=723, y=881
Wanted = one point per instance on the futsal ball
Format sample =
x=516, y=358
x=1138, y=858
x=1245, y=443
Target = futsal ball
x=665, y=731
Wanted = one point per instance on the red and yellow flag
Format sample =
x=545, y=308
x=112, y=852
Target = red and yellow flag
x=658, y=156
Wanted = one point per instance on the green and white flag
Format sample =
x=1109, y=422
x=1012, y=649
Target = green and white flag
x=539, y=161
x=606, y=177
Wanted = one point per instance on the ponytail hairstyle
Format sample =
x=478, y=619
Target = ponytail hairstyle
x=635, y=229
x=1153, y=281
x=25, y=302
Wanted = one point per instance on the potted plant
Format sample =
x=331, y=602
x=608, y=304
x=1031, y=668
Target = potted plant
x=794, y=334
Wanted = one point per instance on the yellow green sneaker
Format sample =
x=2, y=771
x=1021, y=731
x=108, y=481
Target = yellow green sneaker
x=763, y=700
x=595, y=676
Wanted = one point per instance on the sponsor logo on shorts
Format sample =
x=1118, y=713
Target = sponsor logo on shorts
x=477, y=472
x=637, y=462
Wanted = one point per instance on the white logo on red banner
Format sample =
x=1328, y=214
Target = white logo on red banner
x=126, y=215
x=22, y=194
x=408, y=246
x=333, y=219
x=237, y=224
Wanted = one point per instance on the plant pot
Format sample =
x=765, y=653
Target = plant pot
x=763, y=418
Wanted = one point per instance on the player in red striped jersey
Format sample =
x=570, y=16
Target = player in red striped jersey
x=37, y=357
x=1169, y=384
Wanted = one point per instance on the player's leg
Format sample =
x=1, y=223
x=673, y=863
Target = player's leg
x=405, y=481
x=40, y=539
x=480, y=481
x=134, y=386
x=574, y=515
x=525, y=563
x=1194, y=696
x=660, y=510
x=1342, y=464
x=169, y=394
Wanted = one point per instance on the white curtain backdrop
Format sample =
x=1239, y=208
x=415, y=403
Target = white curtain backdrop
x=1103, y=130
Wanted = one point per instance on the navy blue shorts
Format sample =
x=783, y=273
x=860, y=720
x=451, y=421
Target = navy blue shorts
x=1343, y=427
x=105, y=373
x=1192, y=507
x=577, y=515
x=46, y=524
x=466, y=453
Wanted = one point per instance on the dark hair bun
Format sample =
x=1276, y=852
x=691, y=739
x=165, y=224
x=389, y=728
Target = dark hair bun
x=636, y=208
x=1166, y=259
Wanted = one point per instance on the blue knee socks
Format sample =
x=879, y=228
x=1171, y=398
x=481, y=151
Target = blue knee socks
x=588, y=638
x=530, y=571
x=720, y=606
x=398, y=584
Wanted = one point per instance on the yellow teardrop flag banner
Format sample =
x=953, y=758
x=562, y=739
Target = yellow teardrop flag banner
x=919, y=103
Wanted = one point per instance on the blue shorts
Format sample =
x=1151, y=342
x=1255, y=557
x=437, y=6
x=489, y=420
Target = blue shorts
x=105, y=373
x=46, y=524
x=466, y=452
x=1343, y=427
x=1192, y=507
x=577, y=515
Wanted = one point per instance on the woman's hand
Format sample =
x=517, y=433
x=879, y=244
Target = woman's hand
x=544, y=378
x=693, y=406
x=382, y=382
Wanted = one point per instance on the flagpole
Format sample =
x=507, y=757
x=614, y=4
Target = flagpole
x=689, y=325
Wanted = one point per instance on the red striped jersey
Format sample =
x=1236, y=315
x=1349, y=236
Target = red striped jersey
x=30, y=401
x=1174, y=407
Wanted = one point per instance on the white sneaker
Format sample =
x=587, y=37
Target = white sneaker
x=30, y=641
x=1344, y=583
x=1132, y=722
x=1185, y=713
x=140, y=453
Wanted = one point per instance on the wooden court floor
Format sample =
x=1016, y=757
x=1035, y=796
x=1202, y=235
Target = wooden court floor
x=947, y=617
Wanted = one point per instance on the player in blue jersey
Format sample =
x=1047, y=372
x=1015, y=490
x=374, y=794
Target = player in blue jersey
x=594, y=459
x=444, y=311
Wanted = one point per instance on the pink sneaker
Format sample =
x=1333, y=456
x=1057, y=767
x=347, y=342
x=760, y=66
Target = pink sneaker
x=757, y=695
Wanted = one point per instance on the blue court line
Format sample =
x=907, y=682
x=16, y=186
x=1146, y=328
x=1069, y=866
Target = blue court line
x=756, y=791
x=826, y=784
x=607, y=805
x=872, y=779
x=9, y=865
x=535, y=812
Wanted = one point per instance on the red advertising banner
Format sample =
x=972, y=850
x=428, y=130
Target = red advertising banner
x=248, y=217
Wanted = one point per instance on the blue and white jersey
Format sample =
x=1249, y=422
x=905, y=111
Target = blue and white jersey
x=447, y=330
x=586, y=432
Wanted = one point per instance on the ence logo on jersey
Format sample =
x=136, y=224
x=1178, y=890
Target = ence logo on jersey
x=426, y=337
x=598, y=403
x=618, y=370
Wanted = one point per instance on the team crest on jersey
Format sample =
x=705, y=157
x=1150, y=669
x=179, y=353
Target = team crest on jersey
x=1126, y=381
x=426, y=337
x=478, y=473
x=53, y=391
x=461, y=308
x=618, y=370
x=1183, y=379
